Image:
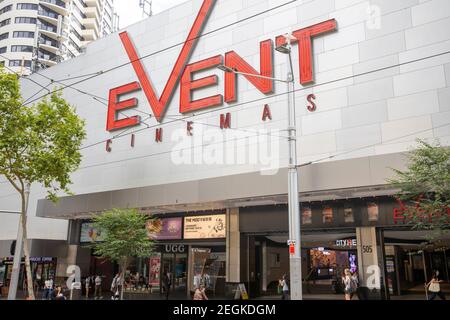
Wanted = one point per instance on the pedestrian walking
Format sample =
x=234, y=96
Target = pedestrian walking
x=355, y=285
x=98, y=288
x=349, y=284
x=200, y=294
x=166, y=283
x=48, y=289
x=434, y=286
x=87, y=286
x=284, y=284
x=116, y=287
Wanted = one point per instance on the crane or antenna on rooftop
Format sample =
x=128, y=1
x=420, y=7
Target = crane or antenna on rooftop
x=146, y=6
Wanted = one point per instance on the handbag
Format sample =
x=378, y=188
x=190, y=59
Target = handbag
x=434, y=287
x=279, y=289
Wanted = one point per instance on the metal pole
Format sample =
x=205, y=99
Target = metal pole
x=295, y=261
x=12, y=293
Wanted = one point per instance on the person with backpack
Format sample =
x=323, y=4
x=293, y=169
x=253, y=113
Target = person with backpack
x=284, y=284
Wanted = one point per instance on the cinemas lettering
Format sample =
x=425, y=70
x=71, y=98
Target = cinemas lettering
x=184, y=72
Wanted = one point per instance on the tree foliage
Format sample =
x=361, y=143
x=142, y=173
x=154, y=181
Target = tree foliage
x=38, y=144
x=125, y=235
x=425, y=188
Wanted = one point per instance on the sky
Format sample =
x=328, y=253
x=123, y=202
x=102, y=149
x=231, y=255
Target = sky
x=130, y=12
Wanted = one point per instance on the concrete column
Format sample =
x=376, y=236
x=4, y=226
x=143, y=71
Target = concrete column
x=265, y=266
x=233, y=246
x=370, y=273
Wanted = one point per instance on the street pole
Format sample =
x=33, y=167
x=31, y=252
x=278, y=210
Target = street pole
x=17, y=259
x=15, y=273
x=295, y=260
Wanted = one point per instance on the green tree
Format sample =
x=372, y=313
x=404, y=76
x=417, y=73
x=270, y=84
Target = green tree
x=38, y=144
x=425, y=188
x=125, y=235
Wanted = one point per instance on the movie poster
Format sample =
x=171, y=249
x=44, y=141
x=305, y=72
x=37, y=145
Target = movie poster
x=348, y=215
x=372, y=211
x=306, y=215
x=154, y=270
x=165, y=229
x=327, y=215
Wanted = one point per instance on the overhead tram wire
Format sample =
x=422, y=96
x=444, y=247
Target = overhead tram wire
x=198, y=37
x=173, y=46
x=95, y=97
x=215, y=110
x=221, y=142
x=236, y=129
x=21, y=76
x=301, y=165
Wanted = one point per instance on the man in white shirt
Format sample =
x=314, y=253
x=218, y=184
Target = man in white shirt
x=48, y=287
x=98, y=287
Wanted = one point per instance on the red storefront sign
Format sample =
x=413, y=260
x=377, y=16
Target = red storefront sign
x=184, y=71
x=403, y=214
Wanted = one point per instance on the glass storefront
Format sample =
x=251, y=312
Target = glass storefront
x=208, y=269
x=175, y=265
x=42, y=268
x=188, y=268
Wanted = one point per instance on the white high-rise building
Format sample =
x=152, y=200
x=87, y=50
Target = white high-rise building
x=36, y=34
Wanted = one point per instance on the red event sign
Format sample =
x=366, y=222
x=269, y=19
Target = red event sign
x=184, y=71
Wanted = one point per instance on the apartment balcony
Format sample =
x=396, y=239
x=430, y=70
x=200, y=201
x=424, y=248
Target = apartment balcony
x=92, y=12
x=50, y=46
x=91, y=23
x=52, y=33
x=48, y=17
x=94, y=3
x=47, y=62
x=89, y=35
x=56, y=5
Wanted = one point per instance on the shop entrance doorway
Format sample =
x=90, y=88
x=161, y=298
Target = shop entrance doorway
x=325, y=256
x=175, y=265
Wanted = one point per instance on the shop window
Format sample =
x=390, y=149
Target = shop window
x=306, y=215
x=208, y=270
x=136, y=276
x=372, y=211
x=348, y=215
x=327, y=213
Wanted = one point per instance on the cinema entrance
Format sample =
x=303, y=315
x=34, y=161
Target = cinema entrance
x=325, y=256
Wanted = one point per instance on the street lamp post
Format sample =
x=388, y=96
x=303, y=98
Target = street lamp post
x=12, y=292
x=295, y=261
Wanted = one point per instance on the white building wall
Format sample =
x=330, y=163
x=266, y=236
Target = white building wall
x=358, y=116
